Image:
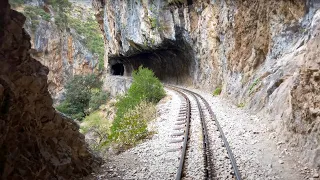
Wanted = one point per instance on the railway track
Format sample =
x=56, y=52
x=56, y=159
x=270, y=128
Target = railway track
x=216, y=160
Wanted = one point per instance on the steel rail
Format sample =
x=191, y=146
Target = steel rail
x=206, y=145
x=185, y=141
x=224, y=139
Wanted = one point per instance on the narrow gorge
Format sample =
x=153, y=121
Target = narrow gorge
x=262, y=55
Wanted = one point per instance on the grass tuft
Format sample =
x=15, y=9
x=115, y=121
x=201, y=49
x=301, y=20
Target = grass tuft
x=217, y=91
x=251, y=88
x=241, y=105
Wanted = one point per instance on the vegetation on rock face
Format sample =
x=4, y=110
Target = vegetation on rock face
x=83, y=95
x=62, y=7
x=251, y=88
x=153, y=22
x=35, y=14
x=93, y=39
x=88, y=27
x=130, y=123
x=17, y=3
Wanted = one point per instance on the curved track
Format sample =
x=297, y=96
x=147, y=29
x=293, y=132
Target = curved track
x=186, y=112
x=203, y=108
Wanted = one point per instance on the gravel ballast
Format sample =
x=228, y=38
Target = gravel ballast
x=252, y=143
x=257, y=154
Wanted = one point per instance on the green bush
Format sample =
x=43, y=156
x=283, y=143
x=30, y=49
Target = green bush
x=217, y=91
x=78, y=96
x=71, y=110
x=133, y=126
x=98, y=98
x=145, y=88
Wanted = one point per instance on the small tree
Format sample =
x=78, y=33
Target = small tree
x=78, y=95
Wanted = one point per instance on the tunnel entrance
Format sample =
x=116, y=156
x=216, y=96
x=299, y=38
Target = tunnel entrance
x=117, y=69
x=172, y=61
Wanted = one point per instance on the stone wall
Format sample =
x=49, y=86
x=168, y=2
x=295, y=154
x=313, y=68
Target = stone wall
x=36, y=142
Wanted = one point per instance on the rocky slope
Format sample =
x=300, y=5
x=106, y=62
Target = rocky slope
x=61, y=48
x=264, y=55
x=36, y=142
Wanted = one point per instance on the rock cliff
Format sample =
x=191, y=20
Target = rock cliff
x=61, y=48
x=264, y=54
x=36, y=142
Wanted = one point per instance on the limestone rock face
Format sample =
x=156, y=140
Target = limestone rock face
x=263, y=54
x=36, y=142
x=60, y=49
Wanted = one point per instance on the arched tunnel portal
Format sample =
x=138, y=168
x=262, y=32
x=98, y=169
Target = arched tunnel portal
x=172, y=62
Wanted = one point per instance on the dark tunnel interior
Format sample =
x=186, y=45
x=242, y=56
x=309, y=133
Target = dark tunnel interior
x=172, y=62
x=117, y=69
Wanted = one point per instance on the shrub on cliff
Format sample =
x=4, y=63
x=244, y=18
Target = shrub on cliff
x=16, y=3
x=61, y=8
x=82, y=92
x=130, y=123
x=93, y=39
x=35, y=14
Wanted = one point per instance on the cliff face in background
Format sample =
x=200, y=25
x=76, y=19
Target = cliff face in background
x=264, y=55
x=61, y=49
x=36, y=142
